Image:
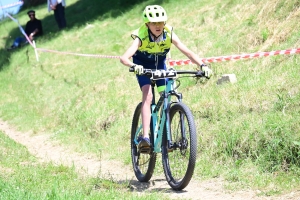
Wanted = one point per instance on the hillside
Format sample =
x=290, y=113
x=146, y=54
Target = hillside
x=248, y=132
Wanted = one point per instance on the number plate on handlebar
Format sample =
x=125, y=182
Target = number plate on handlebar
x=161, y=74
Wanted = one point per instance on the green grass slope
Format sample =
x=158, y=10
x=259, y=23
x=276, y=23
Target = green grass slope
x=248, y=132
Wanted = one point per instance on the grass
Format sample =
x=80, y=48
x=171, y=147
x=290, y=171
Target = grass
x=248, y=132
x=22, y=176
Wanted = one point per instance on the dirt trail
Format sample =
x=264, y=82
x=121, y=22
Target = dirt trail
x=47, y=150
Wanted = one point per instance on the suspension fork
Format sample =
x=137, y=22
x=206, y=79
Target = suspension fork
x=168, y=125
x=182, y=125
x=167, y=105
x=168, y=128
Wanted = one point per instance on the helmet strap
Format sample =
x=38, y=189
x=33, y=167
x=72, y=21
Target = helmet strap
x=154, y=36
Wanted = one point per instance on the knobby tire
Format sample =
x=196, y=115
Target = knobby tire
x=143, y=164
x=179, y=163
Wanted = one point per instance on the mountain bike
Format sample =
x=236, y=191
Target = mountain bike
x=172, y=132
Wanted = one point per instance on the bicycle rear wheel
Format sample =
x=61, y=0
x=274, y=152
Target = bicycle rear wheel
x=179, y=161
x=143, y=163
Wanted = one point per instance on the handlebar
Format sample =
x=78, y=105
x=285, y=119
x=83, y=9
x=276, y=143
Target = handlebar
x=161, y=74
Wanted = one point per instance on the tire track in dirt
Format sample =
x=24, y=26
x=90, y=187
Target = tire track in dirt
x=47, y=150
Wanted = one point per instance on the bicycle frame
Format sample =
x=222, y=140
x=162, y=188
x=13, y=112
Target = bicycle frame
x=158, y=124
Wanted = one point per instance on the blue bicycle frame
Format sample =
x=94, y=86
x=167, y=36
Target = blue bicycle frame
x=158, y=125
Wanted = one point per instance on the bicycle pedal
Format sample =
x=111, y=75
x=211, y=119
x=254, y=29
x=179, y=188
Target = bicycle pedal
x=145, y=150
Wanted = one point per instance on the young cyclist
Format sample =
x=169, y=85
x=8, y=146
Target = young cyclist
x=151, y=43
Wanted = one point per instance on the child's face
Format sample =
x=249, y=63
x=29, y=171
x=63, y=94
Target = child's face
x=156, y=27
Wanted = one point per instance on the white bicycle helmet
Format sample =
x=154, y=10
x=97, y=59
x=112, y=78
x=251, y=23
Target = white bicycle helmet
x=154, y=13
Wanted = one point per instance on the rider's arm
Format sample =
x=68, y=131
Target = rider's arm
x=125, y=58
x=186, y=51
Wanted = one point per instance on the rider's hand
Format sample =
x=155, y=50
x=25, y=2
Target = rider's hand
x=207, y=71
x=138, y=69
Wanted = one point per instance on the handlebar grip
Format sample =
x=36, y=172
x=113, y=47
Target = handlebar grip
x=200, y=74
x=131, y=69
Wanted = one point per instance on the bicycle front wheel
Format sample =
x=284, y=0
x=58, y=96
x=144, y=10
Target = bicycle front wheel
x=143, y=163
x=179, y=161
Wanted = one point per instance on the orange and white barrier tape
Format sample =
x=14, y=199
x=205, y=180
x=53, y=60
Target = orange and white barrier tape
x=12, y=5
x=187, y=62
x=236, y=57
